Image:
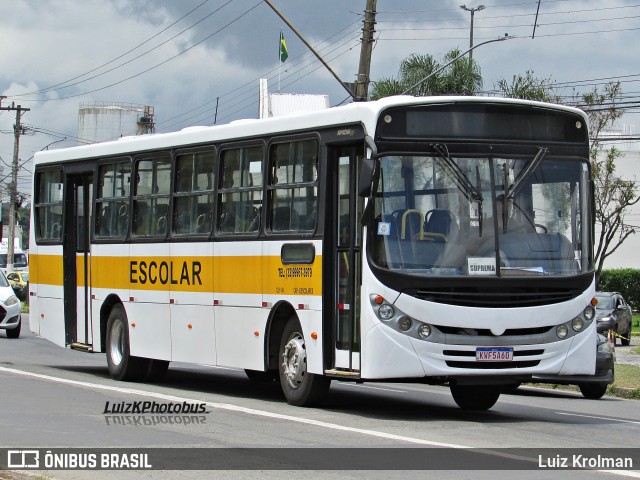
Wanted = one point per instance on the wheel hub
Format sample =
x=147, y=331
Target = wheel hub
x=115, y=342
x=294, y=361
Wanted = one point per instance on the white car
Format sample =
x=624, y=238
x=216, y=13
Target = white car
x=9, y=309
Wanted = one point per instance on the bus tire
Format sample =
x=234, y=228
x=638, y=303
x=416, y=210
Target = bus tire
x=475, y=397
x=593, y=391
x=300, y=388
x=15, y=331
x=122, y=365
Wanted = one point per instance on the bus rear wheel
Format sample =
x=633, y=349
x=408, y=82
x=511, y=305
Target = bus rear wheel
x=122, y=365
x=300, y=387
x=475, y=397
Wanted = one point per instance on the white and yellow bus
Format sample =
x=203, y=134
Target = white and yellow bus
x=446, y=240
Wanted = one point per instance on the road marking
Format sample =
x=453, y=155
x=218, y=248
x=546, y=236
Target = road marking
x=291, y=418
x=600, y=418
x=356, y=385
x=235, y=408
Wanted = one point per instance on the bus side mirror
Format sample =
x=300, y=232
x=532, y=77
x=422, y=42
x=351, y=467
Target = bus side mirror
x=368, y=175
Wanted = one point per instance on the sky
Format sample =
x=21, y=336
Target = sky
x=186, y=57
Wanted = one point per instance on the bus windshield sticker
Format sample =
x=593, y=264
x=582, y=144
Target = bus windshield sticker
x=384, y=228
x=481, y=265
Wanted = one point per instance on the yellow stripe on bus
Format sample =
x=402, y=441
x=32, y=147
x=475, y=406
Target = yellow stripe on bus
x=45, y=269
x=230, y=274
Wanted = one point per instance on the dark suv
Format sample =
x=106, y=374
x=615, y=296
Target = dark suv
x=614, y=313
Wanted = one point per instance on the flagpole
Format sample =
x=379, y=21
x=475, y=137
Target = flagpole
x=279, y=60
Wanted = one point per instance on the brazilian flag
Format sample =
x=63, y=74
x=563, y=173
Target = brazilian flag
x=283, y=48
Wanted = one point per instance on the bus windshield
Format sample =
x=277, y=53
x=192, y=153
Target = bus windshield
x=491, y=216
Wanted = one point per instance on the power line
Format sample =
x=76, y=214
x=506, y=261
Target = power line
x=512, y=15
x=305, y=59
x=62, y=85
x=163, y=62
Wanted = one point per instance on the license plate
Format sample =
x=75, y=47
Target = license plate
x=494, y=354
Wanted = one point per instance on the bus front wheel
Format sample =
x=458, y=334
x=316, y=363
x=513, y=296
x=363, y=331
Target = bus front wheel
x=300, y=387
x=122, y=365
x=475, y=397
x=593, y=391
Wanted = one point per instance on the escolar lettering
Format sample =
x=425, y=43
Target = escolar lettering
x=164, y=273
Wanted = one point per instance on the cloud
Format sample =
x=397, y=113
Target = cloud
x=184, y=58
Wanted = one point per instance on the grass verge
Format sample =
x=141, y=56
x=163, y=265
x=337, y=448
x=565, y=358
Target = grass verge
x=626, y=383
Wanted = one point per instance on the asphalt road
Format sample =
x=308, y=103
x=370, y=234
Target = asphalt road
x=53, y=398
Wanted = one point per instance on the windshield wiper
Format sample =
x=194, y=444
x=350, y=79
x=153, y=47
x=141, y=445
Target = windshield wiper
x=526, y=172
x=457, y=175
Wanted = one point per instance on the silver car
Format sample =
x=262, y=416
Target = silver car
x=10, y=307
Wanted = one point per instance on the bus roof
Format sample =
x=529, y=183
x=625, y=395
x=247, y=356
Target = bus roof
x=365, y=113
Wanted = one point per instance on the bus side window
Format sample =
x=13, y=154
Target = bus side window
x=293, y=190
x=193, y=195
x=141, y=218
x=240, y=192
x=112, y=199
x=48, y=205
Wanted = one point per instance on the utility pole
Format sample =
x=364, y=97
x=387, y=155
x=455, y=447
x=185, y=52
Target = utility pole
x=13, y=194
x=472, y=10
x=364, y=68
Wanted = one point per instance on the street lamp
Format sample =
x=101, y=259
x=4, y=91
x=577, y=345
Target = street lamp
x=472, y=10
x=435, y=72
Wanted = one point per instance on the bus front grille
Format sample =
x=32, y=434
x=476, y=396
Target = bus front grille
x=492, y=365
x=484, y=298
x=466, y=359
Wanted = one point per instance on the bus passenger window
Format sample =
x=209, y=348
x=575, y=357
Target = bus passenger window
x=48, y=205
x=112, y=200
x=151, y=197
x=240, y=192
x=293, y=190
x=141, y=218
x=193, y=196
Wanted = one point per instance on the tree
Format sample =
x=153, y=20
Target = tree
x=613, y=195
x=528, y=87
x=461, y=77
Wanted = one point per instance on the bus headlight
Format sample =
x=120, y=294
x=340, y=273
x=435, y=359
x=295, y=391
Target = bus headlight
x=562, y=331
x=424, y=331
x=589, y=313
x=577, y=324
x=385, y=311
x=404, y=324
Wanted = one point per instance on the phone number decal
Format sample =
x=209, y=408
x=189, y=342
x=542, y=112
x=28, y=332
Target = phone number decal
x=295, y=272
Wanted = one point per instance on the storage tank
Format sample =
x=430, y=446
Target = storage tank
x=102, y=121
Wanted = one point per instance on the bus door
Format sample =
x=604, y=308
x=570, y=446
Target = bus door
x=347, y=210
x=76, y=260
